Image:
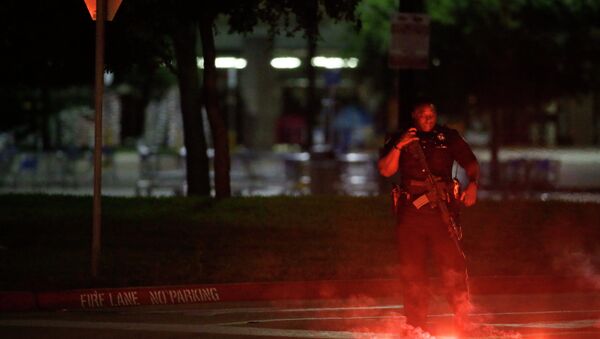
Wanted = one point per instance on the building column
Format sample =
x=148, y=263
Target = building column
x=261, y=94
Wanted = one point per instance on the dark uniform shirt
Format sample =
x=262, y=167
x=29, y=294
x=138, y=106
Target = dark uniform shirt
x=442, y=146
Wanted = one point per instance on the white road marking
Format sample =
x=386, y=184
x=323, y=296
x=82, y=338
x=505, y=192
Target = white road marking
x=184, y=328
x=234, y=323
x=442, y=315
x=274, y=310
x=244, y=327
x=587, y=334
x=570, y=324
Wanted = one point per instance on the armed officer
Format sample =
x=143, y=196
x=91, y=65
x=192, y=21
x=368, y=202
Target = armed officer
x=421, y=230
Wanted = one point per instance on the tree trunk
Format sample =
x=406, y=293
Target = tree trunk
x=198, y=179
x=221, y=161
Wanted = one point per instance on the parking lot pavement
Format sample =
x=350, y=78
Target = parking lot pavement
x=560, y=315
x=533, y=173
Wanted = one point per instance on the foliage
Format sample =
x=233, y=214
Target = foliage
x=293, y=16
x=370, y=42
x=375, y=25
x=501, y=54
x=533, y=50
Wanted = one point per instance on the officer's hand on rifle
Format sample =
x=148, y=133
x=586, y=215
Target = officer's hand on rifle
x=469, y=196
x=407, y=138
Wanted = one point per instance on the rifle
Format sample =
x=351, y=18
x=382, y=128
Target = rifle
x=437, y=197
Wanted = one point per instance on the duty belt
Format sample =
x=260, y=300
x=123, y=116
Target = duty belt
x=417, y=187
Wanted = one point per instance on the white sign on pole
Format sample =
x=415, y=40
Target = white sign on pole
x=409, y=45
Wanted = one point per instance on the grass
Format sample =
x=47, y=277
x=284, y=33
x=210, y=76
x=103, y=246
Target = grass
x=150, y=241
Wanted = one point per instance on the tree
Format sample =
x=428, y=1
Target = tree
x=508, y=58
x=511, y=58
x=160, y=32
x=147, y=34
x=169, y=31
x=242, y=18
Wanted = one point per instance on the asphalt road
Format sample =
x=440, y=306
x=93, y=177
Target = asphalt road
x=561, y=315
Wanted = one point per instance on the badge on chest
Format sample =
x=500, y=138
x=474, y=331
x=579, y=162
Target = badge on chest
x=433, y=140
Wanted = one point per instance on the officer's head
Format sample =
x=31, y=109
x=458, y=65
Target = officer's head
x=424, y=116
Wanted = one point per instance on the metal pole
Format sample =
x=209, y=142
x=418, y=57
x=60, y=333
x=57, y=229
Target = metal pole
x=99, y=91
x=407, y=84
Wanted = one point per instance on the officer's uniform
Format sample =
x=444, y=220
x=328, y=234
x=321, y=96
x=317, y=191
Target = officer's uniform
x=421, y=230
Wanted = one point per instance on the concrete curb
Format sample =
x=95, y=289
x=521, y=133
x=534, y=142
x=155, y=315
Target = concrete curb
x=211, y=293
x=17, y=301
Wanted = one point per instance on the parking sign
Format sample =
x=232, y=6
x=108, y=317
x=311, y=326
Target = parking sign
x=409, y=45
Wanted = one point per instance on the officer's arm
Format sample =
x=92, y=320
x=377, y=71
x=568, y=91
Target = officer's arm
x=388, y=162
x=469, y=196
x=472, y=170
x=467, y=160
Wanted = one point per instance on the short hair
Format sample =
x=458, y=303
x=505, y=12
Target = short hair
x=420, y=106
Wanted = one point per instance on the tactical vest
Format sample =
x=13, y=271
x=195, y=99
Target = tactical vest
x=436, y=145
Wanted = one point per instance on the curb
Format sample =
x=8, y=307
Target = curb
x=237, y=292
x=17, y=301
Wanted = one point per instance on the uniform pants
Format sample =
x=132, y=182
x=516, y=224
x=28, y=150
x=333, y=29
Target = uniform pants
x=423, y=233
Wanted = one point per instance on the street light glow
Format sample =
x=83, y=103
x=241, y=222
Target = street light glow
x=285, y=63
x=226, y=62
x=334, y=62
x=351, y=62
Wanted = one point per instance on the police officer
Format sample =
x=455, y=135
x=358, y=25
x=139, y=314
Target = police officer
x=420, y=228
